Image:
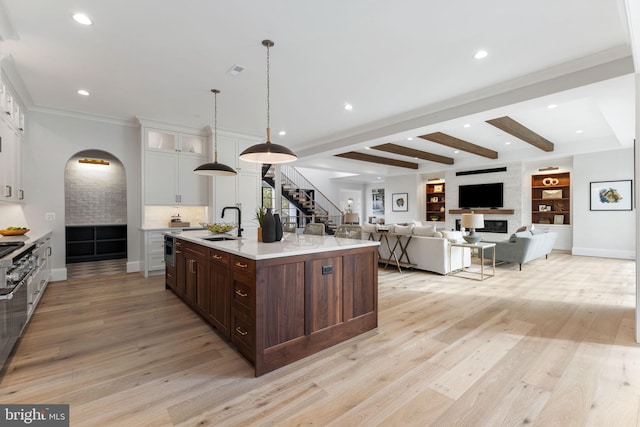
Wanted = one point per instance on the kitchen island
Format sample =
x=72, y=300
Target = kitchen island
x=278, y=302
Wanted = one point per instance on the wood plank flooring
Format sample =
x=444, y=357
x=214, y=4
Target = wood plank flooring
x=552, y=345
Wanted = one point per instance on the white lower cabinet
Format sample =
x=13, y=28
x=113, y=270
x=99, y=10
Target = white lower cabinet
x=154, y=252
x=38, y=282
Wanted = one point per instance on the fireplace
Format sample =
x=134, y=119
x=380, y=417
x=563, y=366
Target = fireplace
x=490, y=226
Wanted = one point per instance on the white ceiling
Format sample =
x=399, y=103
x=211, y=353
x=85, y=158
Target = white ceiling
x=406, y=66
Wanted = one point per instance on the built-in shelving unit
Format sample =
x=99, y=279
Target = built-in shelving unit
x=436, y=201
x=551, y=198
x=96, y=242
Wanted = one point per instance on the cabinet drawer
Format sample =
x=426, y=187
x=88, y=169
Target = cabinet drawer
x=243, y=334
x=155, y=261
x=244, y=266
x=219, y=257
x=170, y=276
x=196, y=249
x=243, y=295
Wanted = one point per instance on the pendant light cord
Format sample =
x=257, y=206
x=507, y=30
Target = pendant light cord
x=215, y=124
x=268, y=93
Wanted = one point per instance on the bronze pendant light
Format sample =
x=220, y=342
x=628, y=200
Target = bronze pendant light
x=268, y=152
x=215, y=168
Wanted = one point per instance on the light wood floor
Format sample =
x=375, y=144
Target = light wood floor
x=552, y=345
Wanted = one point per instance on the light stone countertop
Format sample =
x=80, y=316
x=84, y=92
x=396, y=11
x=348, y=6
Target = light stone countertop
x=292, y=244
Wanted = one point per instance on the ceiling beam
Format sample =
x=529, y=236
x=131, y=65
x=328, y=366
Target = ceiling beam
x=377, y=159
x=522, y=132
x=411, y=152
x=459, y=144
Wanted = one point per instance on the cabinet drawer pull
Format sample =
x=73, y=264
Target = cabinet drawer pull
x=193, y=263
x=169, y=275
x=240, y=331
x=216, y=256
x=241, y=294
x=178, y=252
x=241, y=265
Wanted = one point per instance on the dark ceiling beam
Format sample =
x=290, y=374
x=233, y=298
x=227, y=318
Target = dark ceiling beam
x=459, y=144
x=522, y=132
x=377, y=159
x=411, y=152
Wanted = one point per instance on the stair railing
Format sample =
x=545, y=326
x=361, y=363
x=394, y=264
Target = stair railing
x=323, y=207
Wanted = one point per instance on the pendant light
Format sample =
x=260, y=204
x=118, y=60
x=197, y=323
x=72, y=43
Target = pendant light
x=215, y=168
x=268, y=152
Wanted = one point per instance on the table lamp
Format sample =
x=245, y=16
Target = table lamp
x=472, y=221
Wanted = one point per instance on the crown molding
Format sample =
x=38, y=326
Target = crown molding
x=84, y=116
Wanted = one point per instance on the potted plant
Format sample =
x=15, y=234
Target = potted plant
x=260, y=213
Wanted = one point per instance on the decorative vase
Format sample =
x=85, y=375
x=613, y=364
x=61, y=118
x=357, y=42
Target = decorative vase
x=268, y=227
x=276, y=218
x=259, y=234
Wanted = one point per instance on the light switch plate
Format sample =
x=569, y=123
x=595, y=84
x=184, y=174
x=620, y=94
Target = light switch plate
x=50, y=216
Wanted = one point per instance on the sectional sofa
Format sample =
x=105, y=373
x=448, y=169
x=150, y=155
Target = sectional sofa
x=525, y=246
x=428, y=248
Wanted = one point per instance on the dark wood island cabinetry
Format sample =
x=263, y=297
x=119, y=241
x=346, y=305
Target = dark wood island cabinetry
x=279, y=309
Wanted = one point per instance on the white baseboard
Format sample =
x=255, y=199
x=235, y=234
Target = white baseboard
x=58, y=274
x=604, y=253
x=133, y=267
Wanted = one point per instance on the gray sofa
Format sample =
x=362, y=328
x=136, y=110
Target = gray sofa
x=525, y=246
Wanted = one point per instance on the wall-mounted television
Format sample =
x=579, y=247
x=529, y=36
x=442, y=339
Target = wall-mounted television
x=481, y=196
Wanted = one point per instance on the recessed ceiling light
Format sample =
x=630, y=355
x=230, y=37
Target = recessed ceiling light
x=480, y=54
x=579, y=131
x=83, y=92
x=409, y=139
x=379, y=177
x=507, y=143
x=456, y=151
x=282, y=133
x=348, y=107
x=81, y=18
x=367, y=148
x=551, y=106
x=467, y=125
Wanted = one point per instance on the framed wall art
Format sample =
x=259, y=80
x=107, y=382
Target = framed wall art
x=400, y=202
x=611, y=195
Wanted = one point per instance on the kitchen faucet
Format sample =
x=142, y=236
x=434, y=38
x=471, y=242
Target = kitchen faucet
x=239, y=217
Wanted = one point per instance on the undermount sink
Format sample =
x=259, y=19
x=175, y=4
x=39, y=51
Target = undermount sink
x=218, y=238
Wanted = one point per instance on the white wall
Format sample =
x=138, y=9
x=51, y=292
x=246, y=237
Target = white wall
x=414, y=187
x=50, y=141
x=608, y=234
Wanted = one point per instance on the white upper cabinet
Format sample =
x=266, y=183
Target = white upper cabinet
x=169, y=160
x=178, y=142
x=229, y=149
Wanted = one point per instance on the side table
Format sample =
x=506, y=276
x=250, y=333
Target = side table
x=479, y=247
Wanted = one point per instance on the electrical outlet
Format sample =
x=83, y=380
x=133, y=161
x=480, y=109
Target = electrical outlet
x=50, y=216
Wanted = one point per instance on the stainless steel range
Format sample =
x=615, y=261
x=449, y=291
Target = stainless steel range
x=17, y=266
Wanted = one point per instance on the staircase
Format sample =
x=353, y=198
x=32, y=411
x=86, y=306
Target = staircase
x=312, y=205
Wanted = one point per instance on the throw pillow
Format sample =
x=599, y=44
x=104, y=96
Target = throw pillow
x=424, y=231
x=523, y=228
x=538, y=231
x=453, y=236
x=438, y=234
x=369, y=228
x=403, y=229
